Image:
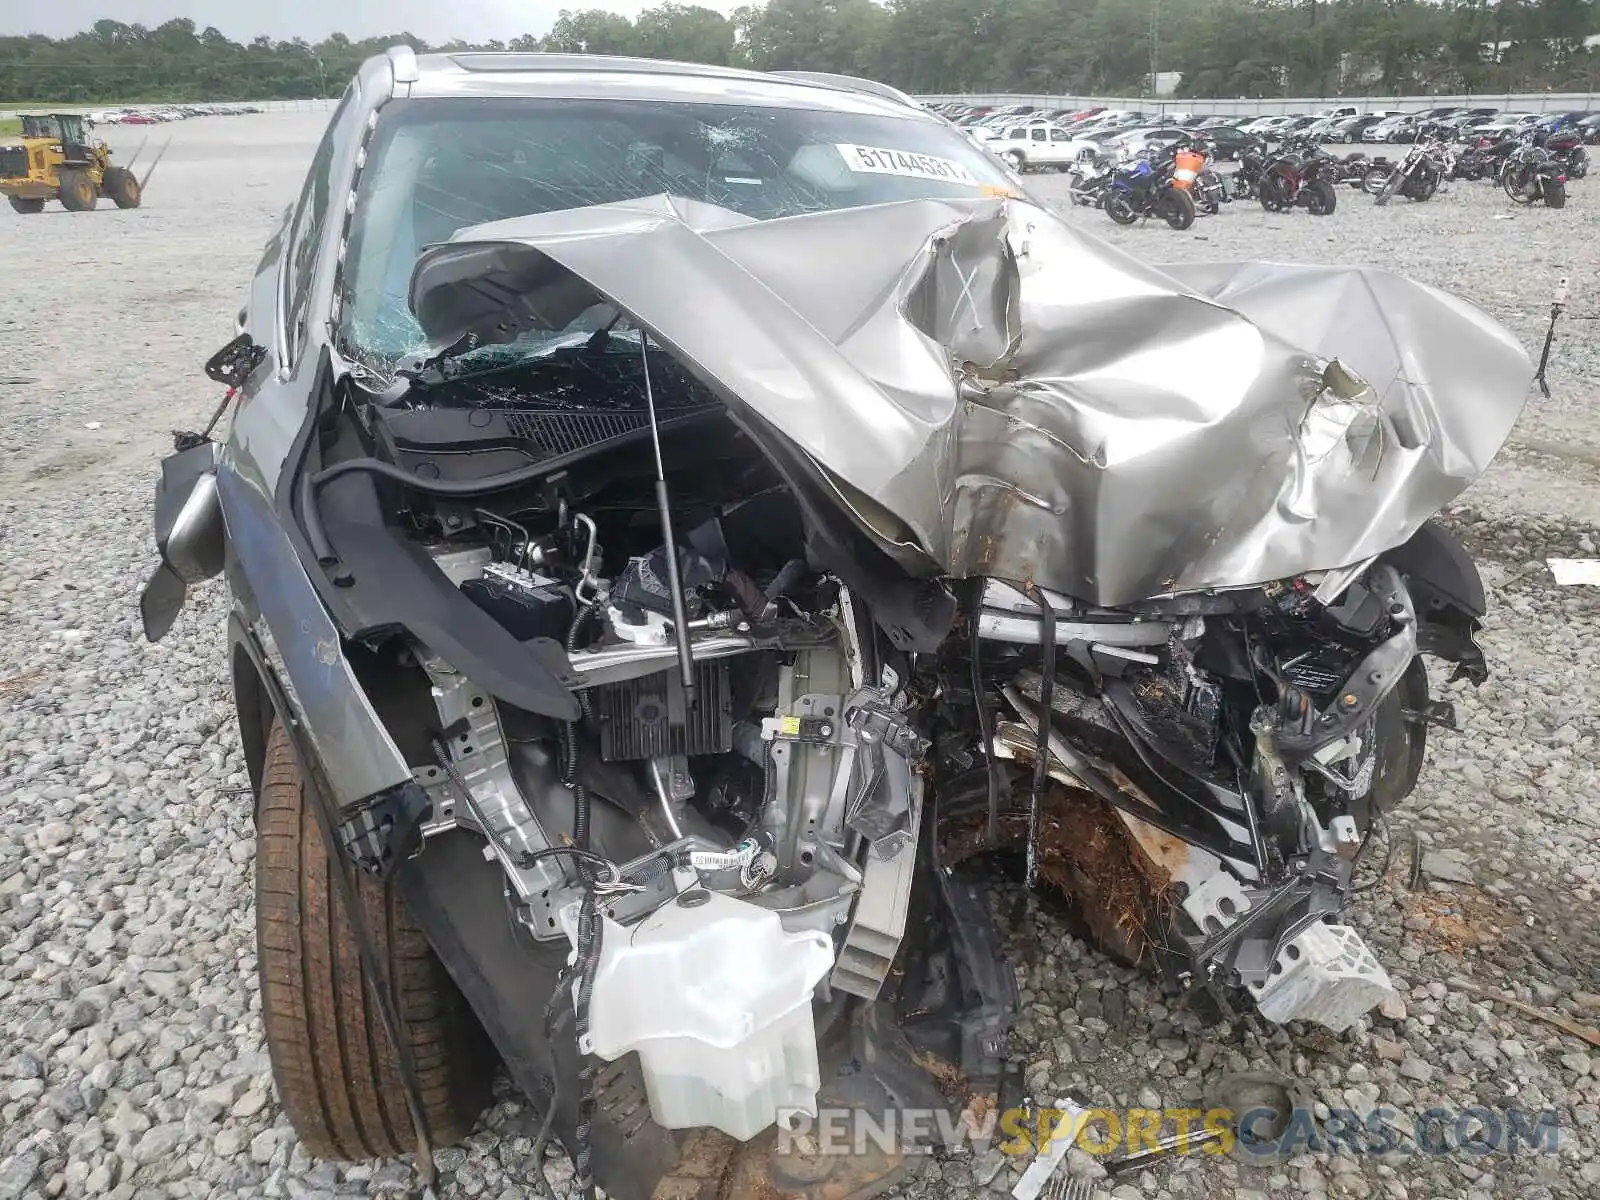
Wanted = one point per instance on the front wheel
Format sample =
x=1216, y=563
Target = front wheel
x=1014, y=160
x=122, y=185
x=1578, y=164
x=1423, y=185
x=1120, y=210
x=23, y=204
x=1375, y=176
x=1555, y=194
x=1320, y=198
x=337, y=1071
x=1391, y=185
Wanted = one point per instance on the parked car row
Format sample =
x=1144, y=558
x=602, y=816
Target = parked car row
x=1027, y=144
x=1031, y=135
x=159, y=114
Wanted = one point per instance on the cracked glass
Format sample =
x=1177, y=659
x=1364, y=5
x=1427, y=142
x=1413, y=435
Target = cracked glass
x=437, y=166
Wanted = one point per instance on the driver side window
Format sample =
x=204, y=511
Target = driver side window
x=305, y=233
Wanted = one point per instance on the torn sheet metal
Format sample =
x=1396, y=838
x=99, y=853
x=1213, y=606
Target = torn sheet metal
x=1067, y=1121
x=1007, y=396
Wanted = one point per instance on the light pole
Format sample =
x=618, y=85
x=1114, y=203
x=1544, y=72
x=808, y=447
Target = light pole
x=1155, y=49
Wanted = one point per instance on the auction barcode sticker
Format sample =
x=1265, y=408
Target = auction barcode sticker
x=878, y=160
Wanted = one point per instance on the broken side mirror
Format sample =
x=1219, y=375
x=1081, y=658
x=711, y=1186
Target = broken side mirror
x=161, y=602
x=190, y=536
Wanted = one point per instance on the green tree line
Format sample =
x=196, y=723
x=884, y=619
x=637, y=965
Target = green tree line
x=1254, y=48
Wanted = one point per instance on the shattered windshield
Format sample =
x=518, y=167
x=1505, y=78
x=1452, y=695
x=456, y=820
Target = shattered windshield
x=436, y=166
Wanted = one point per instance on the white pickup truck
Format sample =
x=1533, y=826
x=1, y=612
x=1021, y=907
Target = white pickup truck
x=1036, y=145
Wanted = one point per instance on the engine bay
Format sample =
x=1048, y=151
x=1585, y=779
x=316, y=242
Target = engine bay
x=745, y=774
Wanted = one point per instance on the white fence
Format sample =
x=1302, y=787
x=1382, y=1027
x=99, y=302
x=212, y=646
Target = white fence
x=45, y=106
x=1527, y=102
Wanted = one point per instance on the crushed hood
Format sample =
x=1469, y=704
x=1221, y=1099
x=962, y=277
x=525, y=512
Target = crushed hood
x=1015, y=398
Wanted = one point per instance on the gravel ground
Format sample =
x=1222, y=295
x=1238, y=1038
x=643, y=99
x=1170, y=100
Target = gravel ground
x=131, y=1053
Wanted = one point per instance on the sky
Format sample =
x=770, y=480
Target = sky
x=432, y=20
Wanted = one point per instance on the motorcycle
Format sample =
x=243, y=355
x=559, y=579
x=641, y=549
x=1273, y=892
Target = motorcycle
x=1477, y=161
x=1246, y=183
x=1211, y=192
x=1532, y=174
x=1416, y=176
x=1567, y=148
x=1089, y=180
x=1301, y=175
x=1148, y=187
x=1349, y=169
x=1192, y=164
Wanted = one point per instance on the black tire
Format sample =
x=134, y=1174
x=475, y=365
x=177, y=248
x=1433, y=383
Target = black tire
x=122, y=185
x=1015, y=160
x=1517, y=184
x=1374, y=177
x=1555, y=194
x=1391, y=185
x=1423, y=185
x=1320, y=198
x=337, y=1072
x=1177, y=209
x=78, y=192
x=1119, y=210
x=22, y=204
x=1275, y=193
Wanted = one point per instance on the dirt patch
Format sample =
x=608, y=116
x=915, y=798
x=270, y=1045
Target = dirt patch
x=1087, y=854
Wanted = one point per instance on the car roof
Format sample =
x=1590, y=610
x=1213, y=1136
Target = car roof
x=485, y=74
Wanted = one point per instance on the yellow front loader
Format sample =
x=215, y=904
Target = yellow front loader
x=56, y=160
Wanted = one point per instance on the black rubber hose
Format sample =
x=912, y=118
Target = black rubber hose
x=311, y=521
x=554, y=1018
x=580, y=816
x=585, y=705
x=791, y=573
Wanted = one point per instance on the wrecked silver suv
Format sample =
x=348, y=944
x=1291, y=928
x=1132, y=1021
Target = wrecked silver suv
x=685, y=526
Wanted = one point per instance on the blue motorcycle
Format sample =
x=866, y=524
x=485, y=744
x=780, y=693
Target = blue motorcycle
x=1148, y=189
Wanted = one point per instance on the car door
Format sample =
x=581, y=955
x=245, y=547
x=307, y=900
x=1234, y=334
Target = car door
x=1057, y=150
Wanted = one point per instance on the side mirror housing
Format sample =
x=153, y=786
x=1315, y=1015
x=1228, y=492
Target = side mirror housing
x=190, y=535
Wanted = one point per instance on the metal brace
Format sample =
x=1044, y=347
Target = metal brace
x=881, y=809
